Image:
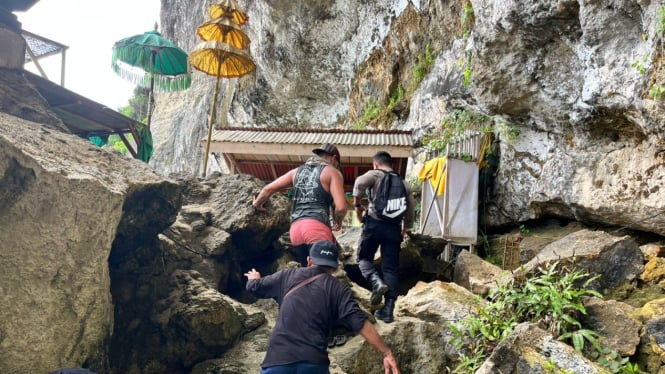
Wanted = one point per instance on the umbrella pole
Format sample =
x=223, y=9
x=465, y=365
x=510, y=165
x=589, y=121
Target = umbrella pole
x=150, y=99
x=210, y=124
x=153, y=56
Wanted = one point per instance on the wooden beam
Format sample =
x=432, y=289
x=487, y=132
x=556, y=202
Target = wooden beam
x=274, y=172
x=306, y=149
x=62, y=68
x=34, y=60
x=231, y=162
x=127, y=144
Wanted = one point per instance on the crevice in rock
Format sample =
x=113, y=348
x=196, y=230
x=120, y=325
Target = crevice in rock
x=14, y=183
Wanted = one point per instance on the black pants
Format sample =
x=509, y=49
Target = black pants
x=302, y=252
x=388, y=236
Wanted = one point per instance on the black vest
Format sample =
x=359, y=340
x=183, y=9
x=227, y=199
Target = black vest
x=310, y=200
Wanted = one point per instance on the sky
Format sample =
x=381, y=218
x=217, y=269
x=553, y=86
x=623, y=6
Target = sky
x=89, y=28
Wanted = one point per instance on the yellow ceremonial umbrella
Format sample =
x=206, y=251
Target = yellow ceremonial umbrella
x=228, y=9
x=225, y=31
x=219, y=60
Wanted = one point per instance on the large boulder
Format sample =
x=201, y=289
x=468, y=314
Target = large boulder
x=200, y=323
x=611, y=319
x=61, y=202
x=651, y=352
x=475, y=274
x=529, y=349
x=617, y=259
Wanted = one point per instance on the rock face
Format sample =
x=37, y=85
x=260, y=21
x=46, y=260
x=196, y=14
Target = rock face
x=587, y=139
x=306, y=53
x=175, y=281
x=61, y=199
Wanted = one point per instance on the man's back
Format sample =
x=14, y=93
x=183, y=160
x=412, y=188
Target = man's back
x=306, y=315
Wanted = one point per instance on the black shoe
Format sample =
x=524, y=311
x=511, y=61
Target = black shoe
x=385, y=314
x=378, y=289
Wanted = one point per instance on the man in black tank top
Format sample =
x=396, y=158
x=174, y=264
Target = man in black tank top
x=317, y=186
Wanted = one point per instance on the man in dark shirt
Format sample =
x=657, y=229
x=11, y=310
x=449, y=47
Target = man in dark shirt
x=380, y=233
x=310, y=301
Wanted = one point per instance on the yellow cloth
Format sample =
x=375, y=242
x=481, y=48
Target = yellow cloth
x=485, y=144
x=433, y=170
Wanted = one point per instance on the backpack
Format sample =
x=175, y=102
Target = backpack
x=390, y=199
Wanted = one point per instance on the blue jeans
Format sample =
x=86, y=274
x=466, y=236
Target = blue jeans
x=297, y=368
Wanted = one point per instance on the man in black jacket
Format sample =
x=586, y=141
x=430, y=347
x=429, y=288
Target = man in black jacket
x=310, y=301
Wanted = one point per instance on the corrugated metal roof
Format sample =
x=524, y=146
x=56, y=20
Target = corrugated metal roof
x=395, y=138
x=269, y=153
x=81, y=115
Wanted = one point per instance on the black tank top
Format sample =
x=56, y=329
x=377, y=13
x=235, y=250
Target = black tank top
x=310, y=200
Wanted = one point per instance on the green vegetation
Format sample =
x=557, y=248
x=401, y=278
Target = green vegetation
x=371, y=111
x=117, y=144
x=640, y=66
x=467, y=18
x=137, y=107
x=454, y=124
x=468, y=73
x=374, y=112
x=524, y=230
x=660, y=23
x=424, y=65
x=656, y=91
x=549, y=299
x=506, y=131
x=396, y=97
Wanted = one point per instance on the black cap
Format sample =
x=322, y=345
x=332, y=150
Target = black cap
x=324, y=253
x=328, y=149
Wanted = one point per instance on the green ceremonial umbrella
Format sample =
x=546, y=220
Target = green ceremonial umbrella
x=151, y=60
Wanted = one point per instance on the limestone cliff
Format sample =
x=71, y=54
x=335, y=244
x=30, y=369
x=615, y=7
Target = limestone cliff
x=572, y=78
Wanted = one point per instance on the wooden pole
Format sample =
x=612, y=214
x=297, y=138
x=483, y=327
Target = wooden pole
x=152, y=87
x=211, y=123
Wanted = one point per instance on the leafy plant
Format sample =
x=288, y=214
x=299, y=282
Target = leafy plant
x=660, y=30
x=469, y=363
x=524, y=230
x=424, y=65
x=467, y=18
x=660, y=22
x=396, y=96
x=117, y=144
x=468, y=74
x=657, y=91
x=454, y=124
x=506, y=131
x=578, y=337
x=550, y=299
x=550, y=366
x=371, y=111
x=630, y=368
x=640, y=66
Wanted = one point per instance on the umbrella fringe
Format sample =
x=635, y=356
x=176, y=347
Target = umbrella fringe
x=134, y=76
x=171, y=84
x=162, y=82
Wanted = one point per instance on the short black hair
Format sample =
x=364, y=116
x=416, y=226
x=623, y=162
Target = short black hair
x=383, y=158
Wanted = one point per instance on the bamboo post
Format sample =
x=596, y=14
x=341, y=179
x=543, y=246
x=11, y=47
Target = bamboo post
x=211, y=121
